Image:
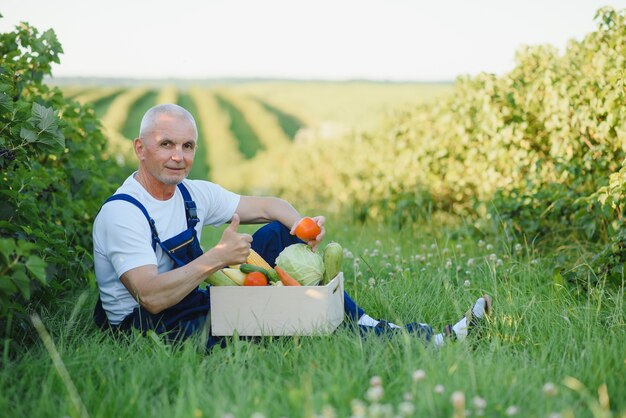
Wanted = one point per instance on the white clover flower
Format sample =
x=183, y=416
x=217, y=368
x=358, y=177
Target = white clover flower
x=445, y=251
x=397, y=249
x=357, y=261
x=467, y=283
x=468, y=272
x=376, y=381
x=458, y=247
x=470, y=262
x=378, y=243
x=366, y=252
x=534, y=261
x=448, y=264
x=511, y=410
x=481, y=243
x=555, y=415
x=492, y=257
x=463, y=255
x=433, y=246
x=374, y=393
x=387, y=265
x=499, y=262
x=429, y=255
x=358, y=408
x=549, y=389
x=257, y=415
x=479, y=403
x=328, y=412
x=407, y=396
x=518, y=248
x=347, y=253
x=439, y=389
x=371, y=282
x=428, y=264
x=358, y=274
x=418, y=375
x=380, y=410
x=489, y=247
x=406, y=409
x=458, y=269
x=458, y=399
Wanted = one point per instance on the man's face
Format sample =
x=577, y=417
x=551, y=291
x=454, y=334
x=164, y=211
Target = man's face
x=167, y=151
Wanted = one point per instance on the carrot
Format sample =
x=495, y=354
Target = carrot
x=286, y=278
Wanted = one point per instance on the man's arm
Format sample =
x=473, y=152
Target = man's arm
x=256, y=210
x=156, y=292
x=252, y=209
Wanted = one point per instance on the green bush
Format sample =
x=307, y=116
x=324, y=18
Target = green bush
x=54, y=175
x=531, y=149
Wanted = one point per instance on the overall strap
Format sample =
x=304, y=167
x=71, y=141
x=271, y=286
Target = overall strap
x=190, y=207
x=130, y=199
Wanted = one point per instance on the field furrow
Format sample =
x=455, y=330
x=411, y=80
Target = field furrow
x=264, y=124
x=136, y=112
x=201, y=168
x=168, y=94
x=115, y=118
x=248, y=141
x=222, y=152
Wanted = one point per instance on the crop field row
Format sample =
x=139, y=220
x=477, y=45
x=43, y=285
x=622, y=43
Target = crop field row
x=239, y=123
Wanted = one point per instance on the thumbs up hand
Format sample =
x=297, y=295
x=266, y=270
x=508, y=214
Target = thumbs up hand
x=233, y=247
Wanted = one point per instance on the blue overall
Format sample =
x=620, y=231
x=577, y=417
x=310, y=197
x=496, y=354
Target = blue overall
x=189, y=315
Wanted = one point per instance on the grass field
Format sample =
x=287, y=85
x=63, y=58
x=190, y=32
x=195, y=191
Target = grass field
x=547, y=351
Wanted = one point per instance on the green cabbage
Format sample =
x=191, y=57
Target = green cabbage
x=302, y=264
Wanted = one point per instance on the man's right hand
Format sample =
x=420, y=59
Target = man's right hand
x=233, y=247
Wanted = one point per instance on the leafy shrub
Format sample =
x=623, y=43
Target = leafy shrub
x=530, y=149
x=54, y=175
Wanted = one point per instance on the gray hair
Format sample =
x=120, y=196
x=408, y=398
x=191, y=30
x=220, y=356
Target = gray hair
x=150, y=117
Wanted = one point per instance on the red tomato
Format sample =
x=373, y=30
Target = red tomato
x=255, y=279
x=307, y=229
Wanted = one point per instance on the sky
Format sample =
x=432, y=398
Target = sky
x=396, y=40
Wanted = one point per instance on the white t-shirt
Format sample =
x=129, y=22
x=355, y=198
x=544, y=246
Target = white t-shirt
x=122, y=239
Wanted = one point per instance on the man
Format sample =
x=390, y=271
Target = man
x=148, y=260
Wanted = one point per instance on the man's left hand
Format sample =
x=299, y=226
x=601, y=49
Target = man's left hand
x=319, y=220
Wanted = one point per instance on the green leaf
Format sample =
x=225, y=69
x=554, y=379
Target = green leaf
x=22, y=282
x=7, y=246
x=43, y=117
x=37, y=267
x=6, y=104
x=6, y=285
x=28, y=134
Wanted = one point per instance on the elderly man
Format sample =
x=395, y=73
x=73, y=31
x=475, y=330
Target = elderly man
x=148, y=259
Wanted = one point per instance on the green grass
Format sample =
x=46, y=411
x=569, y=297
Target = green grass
x=200, y=169
x=540, y=333
x=249, y=143
x=136, y=112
